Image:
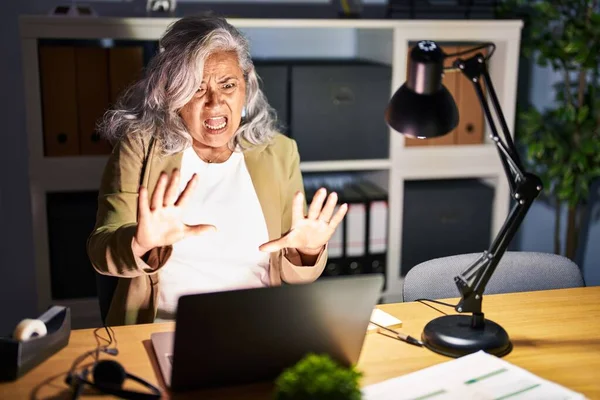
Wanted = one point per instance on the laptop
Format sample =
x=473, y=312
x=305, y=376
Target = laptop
x=247, y=336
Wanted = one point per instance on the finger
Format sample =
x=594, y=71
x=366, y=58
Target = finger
x=339, y=215
x=197, y=230
x=143, y=206
x=159, y=191
x=329, y=208
x=187, y=192
x=317, y=203
x=274, y=245
x=297, y=208
x=172, y=189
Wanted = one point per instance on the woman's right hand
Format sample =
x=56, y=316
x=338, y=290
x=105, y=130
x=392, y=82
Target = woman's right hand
x=160, y=222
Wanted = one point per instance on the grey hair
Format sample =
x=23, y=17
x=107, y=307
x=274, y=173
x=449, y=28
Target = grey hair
x=150, y=107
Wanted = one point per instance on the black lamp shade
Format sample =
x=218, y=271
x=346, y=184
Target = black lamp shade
x=422, y=115
x=423, y=107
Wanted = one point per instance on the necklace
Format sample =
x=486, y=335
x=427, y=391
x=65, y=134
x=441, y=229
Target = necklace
x=210, y=161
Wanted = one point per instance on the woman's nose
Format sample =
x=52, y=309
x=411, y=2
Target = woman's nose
x=213, y=98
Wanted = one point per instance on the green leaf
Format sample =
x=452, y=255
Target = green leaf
x=562, y=143
x=579, y=160
x=583, y=113
x=318, y=376
x=571, y=47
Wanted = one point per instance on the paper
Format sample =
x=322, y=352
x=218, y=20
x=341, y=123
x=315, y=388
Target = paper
x=383, y=318
x=475, y=376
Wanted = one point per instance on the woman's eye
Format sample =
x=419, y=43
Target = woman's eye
x=229, y=86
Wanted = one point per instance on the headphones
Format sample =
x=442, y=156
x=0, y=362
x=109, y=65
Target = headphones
x=108, y=377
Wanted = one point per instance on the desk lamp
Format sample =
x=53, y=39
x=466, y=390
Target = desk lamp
x=423, y=108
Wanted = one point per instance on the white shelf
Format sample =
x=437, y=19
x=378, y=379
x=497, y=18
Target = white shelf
x=467, y=161
x=68, y=173
x=85, y=172
x=153, y=28
x=344, y=165
x=445, y=162
x=379, y=40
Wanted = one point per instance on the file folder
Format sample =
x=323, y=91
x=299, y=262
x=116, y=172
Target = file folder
x=59, y=100
x=359, y=244
x=334, y=265
x=355, y=229
x=377, y=226
x=92, y=98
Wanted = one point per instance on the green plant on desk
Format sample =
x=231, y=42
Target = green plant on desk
x=317, y=376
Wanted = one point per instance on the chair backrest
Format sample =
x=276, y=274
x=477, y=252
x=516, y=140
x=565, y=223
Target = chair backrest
x=516, y=272
x=105, y=288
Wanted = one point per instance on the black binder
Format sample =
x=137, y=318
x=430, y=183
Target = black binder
x=335, y=265
x=376, y=226
x=362, y=235
x=355, y=229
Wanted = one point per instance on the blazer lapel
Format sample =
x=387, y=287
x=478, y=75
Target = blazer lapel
x=267, y=189
x=158, y=163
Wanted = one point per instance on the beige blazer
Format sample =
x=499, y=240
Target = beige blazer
x=275, y=173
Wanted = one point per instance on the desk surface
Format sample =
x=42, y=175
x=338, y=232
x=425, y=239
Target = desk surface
x=556, y=335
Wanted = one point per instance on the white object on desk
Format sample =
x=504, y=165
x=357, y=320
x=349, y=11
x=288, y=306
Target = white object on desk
x=383, y=318
x=475, y=376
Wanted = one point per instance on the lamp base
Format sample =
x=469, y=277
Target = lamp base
x=454, y=336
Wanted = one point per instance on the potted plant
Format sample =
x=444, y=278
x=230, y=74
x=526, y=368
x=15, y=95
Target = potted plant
x=318, y=376
x=562, y=143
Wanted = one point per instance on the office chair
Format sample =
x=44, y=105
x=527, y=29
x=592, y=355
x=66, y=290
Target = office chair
x=516, y=272
x=105, y=288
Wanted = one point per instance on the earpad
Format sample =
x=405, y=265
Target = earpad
x=109, y=373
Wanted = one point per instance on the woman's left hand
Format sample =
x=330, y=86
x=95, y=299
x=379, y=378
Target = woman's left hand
x=310, y=233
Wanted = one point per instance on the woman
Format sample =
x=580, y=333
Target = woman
x=201, y=193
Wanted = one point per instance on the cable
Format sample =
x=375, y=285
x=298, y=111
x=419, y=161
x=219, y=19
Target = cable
x=423, y=301
x=95, y=353
x=437, y=302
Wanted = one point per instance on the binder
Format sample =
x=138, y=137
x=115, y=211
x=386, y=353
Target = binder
x=355, y=229
x=376, y=226
x=359, y=244
x=125, y=66
x=59, y=100
x=92, y=97
x=471, y=124
x=334, y=266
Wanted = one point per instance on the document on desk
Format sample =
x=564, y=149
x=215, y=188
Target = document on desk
x=382, y=318
x=475, y=376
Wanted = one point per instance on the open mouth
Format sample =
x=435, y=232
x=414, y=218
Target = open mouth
x=215, y=123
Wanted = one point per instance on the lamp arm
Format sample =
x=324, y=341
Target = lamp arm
x=524, y=188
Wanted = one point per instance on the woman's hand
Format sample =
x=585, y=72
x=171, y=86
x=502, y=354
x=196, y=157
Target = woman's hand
x=309, y=234
x=159, y=222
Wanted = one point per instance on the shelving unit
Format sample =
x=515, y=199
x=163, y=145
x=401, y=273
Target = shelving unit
x=384, y=41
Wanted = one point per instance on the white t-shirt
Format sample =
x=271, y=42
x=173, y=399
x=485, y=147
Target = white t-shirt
x=228, y=259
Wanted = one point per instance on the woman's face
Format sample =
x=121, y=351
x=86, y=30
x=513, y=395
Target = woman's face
x=214, y=114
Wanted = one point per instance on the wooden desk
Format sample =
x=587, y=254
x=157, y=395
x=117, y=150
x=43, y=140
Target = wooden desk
x=556, y=335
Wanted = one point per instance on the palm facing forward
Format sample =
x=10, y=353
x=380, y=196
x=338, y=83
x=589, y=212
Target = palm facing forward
x=160, y=222
x=310, y=233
